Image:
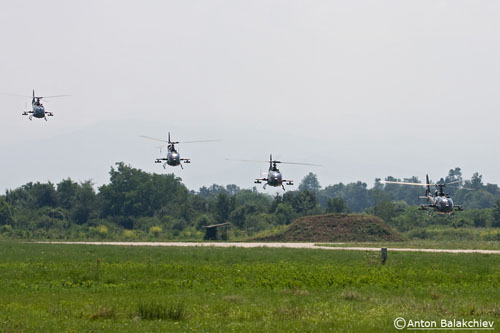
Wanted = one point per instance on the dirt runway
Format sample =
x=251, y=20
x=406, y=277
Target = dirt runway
x=277, y=245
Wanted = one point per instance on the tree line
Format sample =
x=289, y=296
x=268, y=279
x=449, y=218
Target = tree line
x=137, y=204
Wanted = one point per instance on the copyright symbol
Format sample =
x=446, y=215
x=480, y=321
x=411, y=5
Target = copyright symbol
x=399, y=323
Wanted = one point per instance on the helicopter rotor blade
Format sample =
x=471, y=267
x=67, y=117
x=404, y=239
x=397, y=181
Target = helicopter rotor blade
x=197, y=141
x=311, y=164
x=418, y=184
x=27, y=96
x=253, y=161
x=453, y=182
x=151, y=138
x=174, y=142
x=467, y=189
x=262, y=161
x=15, y=95
x=53, y=96
x=403, y=183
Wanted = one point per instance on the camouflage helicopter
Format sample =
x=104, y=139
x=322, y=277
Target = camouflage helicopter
x=439, y=201
x=274, y=177
x=173, y=156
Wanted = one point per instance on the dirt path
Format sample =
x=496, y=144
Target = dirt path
x=277, y=245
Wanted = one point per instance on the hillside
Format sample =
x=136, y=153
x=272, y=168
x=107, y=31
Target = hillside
x=336, y=228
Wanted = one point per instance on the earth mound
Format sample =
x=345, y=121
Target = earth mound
x=335, y=228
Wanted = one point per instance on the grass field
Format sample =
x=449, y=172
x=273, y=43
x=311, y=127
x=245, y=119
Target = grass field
x=73, y=288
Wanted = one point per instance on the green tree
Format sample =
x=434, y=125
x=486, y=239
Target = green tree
x=496, y=215
x=211, y=191
x=356, y=196
x=258, y=222
x=409, y=194
x=479, y=217
x=310, y=183
x=475, y=199
x=223, y=207
x=203, y=220
x=84, y=203
x=239, y=214
x=303, y=202
x=454, y=177
x=284, y=213
x=337, y=205
x=476, y=182
x=262, y=201
x=66, y=192
x=385, y=210
x=6, y=216
x=44, y=194
x=232, y=189
x=133, y=192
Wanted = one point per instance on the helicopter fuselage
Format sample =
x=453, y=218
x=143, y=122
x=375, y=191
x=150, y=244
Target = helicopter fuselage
x=173, y=158
x=443, y=204
x=439, y=201
x=38, y=111
x=274, y=178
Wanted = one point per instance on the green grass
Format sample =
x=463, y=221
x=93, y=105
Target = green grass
x=75, y=288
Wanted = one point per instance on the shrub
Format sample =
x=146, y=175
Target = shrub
x=102, y=230
x=129, y=234
x=155, y=231
x=6, y=230
x=492, y=235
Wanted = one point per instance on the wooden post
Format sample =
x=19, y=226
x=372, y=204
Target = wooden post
x=383, y=254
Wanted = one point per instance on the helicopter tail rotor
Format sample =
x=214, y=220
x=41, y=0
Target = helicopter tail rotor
x=428, y=187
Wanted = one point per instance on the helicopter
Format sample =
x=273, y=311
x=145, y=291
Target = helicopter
x=38, y=109
x=274, y=176
x=439, y=201
x=173, y=156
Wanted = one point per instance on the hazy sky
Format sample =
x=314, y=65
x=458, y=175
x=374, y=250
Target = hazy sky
x=365, y=88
